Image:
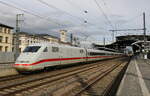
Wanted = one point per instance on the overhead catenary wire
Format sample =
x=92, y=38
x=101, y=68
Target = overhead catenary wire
x=85, y=11
x=101, y=10
x=107, y=18
x=129, y=20
x=58, y=9
x=33, y=14
x=52, y=6
x=79, y=18
x=108, y=9
x=78, y=7
x=28, y=12
x=106, y=6
x=132, y=19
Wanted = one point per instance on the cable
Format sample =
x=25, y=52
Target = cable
x=133, y=18
x=108, y=9
x=106, y=17
x=130, y=20
x=24, y=10
x=77, y=6
x=51, y=6
x=105, y=4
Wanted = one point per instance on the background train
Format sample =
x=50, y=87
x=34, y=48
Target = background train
x=40, y=56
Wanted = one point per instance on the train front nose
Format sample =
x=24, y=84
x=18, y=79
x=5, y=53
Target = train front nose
x=27, y=58
x=22, y=66
x=23, y=62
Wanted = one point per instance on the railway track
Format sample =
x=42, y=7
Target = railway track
x=53, y=81
x=10, y=77
x=101, y=76
x=82, y=83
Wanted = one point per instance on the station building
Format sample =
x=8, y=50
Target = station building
x=26, y=39
x=136, y=41
x=52, y=39
x=6, y=37
x=63, y=35
x=128, y=40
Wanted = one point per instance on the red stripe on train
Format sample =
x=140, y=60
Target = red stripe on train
x=62, y=59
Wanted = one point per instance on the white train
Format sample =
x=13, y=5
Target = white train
x=40, y=56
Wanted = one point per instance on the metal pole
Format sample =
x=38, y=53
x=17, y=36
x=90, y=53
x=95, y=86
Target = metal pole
x=113, y=35
x=17, y=35
x=104, y=41
x=71, y=37
x=144, y=29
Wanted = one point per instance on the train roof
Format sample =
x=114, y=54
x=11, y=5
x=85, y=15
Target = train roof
x=54, y=44
x=66, y=46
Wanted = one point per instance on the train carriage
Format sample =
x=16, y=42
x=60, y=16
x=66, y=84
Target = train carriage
x=39, y=56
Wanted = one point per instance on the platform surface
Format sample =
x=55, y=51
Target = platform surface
x=7, y=70
x=136, y=81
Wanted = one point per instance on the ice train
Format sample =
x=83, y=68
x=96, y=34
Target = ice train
x=40, y=56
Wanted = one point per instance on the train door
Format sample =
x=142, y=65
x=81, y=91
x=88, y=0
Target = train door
x=53, y=55
x=45, y=53
x=61, y=55
x=76, y=55
x=65, y=55
x=86, y=55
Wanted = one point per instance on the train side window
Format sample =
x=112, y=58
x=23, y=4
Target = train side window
x=45, y=50
x=55, y=49
x=95, y=53
x=81, y=51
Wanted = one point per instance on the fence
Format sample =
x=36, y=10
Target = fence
x=6, y=57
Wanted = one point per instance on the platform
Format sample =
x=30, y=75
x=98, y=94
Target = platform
x=7, y=70
x=136, y=81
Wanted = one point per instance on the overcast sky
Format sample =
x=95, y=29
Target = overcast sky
x=54, y=15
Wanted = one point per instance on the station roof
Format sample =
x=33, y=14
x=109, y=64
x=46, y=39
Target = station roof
x=135, y=41
x=132, y=37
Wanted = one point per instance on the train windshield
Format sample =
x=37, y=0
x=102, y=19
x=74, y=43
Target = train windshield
x=32, y=49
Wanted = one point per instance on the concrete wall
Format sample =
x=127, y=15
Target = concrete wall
x=6, y=57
